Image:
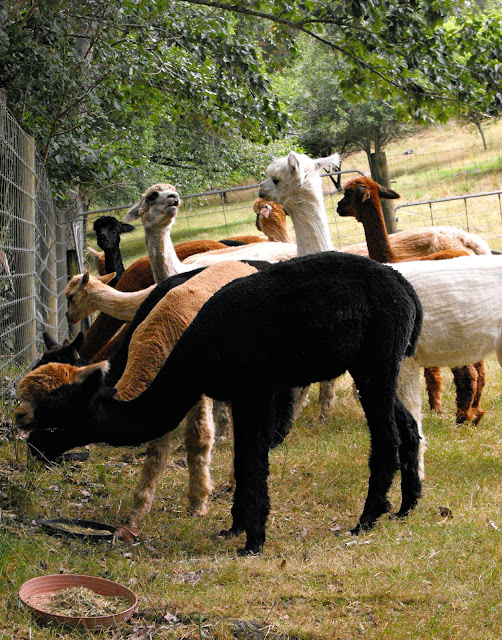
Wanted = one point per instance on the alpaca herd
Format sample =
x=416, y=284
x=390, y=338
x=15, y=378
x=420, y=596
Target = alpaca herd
x=296, y=313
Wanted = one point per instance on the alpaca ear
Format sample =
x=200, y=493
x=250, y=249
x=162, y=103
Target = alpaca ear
x=49, y=342
x=133, y=213
x=294, y=164
x=85, y=372
x=84, y=280
x=363, y=192
x=327, y=163
x=383, y=192
x=107, y=277
x=93, y=382
x=126, y=228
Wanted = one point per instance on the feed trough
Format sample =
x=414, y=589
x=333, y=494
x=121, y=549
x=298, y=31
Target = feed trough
x=41, y=595
x=75, y=528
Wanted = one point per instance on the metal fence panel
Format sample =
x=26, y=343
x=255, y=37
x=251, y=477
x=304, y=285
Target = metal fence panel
x=33, y=244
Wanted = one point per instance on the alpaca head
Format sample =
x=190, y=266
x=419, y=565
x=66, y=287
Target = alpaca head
x=67, y=352
x=77, y=292
x=65, y=418
x=362, y=195
x=108, y=230
x=39, y=383
x=157, y=208
x=293, y=177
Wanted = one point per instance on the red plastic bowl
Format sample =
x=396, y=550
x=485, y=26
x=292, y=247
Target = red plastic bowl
x=36, y=594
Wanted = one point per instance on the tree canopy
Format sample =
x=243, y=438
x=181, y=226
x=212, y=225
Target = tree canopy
x=114, y=90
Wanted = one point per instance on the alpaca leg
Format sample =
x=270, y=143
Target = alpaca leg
x=481, y=370
x=327, y=398
x=199, y=439
x=300, y=401
x=466, y=383
x=223, y=419
x=378, y=400
x=408, y=389
x=253, y=417
x=144, y=491
x=434, y=385
x=409, y=440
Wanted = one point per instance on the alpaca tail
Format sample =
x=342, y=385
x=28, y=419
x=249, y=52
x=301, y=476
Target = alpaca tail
x=283, y=418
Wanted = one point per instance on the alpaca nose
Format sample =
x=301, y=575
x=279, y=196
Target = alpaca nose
x=173, y=201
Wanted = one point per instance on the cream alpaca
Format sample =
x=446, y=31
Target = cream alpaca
x=86, y=294
x=462, y=298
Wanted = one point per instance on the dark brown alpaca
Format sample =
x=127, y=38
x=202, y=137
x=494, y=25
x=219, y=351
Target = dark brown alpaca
x=362, y=201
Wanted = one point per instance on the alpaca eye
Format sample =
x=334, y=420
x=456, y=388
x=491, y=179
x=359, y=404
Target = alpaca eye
x=152, y=196
x=275, y=180
x=69, y=298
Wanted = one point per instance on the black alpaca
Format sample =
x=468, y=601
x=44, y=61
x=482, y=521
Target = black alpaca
x=297, y=322
x=66, y=352
x=108, y=230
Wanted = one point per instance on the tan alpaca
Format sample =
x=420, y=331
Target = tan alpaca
x=86, y=294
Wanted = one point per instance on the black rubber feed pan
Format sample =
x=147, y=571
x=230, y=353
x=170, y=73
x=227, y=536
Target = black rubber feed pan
x=74, y=456
x=81, y=529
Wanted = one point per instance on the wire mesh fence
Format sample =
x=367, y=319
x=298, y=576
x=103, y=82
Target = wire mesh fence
x=33, y=247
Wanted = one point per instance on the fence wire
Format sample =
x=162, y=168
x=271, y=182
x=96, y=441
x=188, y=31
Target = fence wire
x=33, y=246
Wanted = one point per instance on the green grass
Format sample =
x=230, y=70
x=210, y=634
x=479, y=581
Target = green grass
x=428, y=577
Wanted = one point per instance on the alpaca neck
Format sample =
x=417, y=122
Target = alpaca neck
x=113, y=261
x=118, y=304
x=159, y=409
x=163, y=258
x=310, y=223
x=278, y=234
x=377, y=238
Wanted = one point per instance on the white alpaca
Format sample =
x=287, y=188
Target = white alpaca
x=462, y=298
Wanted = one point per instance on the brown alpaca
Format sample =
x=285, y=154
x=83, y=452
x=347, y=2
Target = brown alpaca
x=362, y=201
x=39, y=382
x=271, y=220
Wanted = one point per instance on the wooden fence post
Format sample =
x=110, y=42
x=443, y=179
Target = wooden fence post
x=25, y=336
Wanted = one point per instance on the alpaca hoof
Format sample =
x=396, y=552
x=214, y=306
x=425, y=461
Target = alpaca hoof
x=245, y=552
x=478, y=418
x=230, y=533
x=361, y=528
x=128, y=533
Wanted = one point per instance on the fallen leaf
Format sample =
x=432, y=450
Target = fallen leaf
x=445, y=512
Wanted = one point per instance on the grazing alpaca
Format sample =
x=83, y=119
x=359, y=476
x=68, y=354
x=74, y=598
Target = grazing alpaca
x=149, y=347
x=343, y=312
x=36, y=384
x=87, y=294
x=362, y=201
x=108, y=231
x=271, y=220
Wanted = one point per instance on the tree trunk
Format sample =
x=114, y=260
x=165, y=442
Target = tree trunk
x=482, y=134
x=380, y=173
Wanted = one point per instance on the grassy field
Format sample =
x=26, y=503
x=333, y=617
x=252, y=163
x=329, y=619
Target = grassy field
x=435, y=576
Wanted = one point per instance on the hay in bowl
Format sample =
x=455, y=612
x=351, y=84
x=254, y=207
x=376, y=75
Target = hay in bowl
x=74, y=528
x=78, y=600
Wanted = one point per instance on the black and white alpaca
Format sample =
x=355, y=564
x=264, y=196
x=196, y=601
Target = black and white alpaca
x=346, y=312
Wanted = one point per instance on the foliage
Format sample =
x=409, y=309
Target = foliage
x=107, y=89
x=93, y=86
